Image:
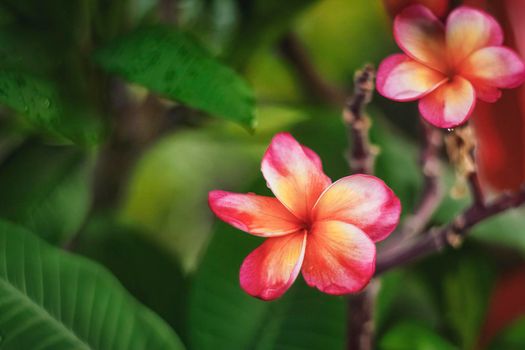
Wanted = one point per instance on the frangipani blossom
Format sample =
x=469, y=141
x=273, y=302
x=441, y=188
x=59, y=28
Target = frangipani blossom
x=447, y=67
x=326, y=230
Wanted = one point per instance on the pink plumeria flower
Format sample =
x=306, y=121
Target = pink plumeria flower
x=325, y=230
x=447, y=67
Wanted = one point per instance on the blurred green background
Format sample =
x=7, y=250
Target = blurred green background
x=117, y=117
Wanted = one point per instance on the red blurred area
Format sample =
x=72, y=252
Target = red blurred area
x=500, y=126
x=439, y=7
x=506, y=305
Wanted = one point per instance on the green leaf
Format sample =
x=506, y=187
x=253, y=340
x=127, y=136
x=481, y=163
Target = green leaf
x=171, y=63
x=505, y=230
x=53, y=300
x=461, y=282
x=404, y=297
x=167, y=195
x=146, y=269
x=413, y=336
x=512, y=338
x=46, y=189
x=43, y=105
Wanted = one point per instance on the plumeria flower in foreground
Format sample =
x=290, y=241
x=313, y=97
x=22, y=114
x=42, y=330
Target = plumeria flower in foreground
x=326, y=230
x=448, y=66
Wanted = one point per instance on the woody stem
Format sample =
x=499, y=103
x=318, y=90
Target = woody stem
x=360, y=331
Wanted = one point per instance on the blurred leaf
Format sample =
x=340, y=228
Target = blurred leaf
x=404, y=297
x=512, y=338
x=145, y=269
x=46, y=189
x=262, y=22
x=65, y=20
x=504, y=230
x=41, y=103
x=461, y=282
x=171, y=63
x=53, y=300
x=407, y=336
x=222, y=316
x=342, y=35
x=397, y=163
x=168, y=192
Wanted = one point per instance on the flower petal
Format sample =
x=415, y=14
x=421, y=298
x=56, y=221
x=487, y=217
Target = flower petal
x=270, y=270
x=361, y=200
x=421, y=35
x=292, y=175
x=449, y=105
x=496, y=66
x=401, y=78
x=339, y=258
x=258, y=215
x=314, y=157
x=468, y=30
x=485, y=92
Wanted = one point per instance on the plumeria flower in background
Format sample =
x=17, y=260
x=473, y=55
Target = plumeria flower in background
x=326, y=230
x=447, y=67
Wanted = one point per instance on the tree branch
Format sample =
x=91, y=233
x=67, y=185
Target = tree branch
x=361, y=155
x=361, y=322
x=436, y=239
x=432, y=187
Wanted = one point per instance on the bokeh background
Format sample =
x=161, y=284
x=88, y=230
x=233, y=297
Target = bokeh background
x=117, y=117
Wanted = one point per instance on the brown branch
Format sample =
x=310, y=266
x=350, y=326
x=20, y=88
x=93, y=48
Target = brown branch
x=361, y=155
x=316, y=86
x=361, y=323
x=432, y=193
x=436, y=239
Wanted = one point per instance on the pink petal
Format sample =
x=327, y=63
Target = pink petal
x=496, y=66
x=294, y=177
x=258, y=215
x=401, y=78
x=339, y=259
x=361, y=200
x=314, y=157
x=449, y=105
x=485, y=92
x=468, y=30
x=421, y=35
x=270, y=270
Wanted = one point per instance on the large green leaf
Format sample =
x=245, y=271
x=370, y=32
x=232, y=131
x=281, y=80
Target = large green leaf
x=171, y=63
x=46, y=189
x=145, y=268
x=53, y=300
